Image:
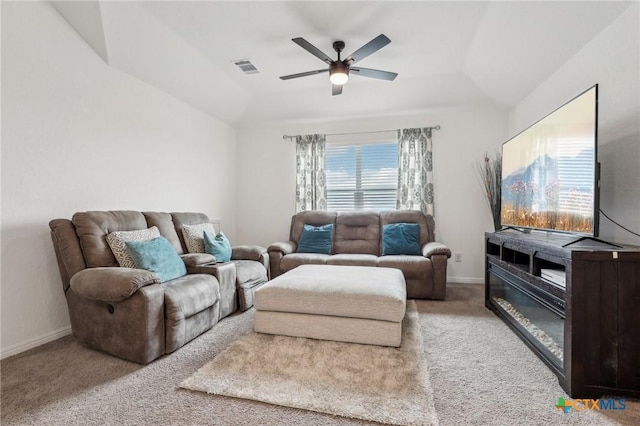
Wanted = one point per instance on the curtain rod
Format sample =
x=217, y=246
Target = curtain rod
x=437, y=127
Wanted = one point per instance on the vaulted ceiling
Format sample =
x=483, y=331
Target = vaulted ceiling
x=448, y=54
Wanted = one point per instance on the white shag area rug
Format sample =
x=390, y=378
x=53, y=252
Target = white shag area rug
x=382, y=384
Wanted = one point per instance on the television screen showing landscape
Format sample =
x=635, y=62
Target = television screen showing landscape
x=548, y=171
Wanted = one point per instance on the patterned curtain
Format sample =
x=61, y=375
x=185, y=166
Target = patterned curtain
x=311, y=184
x=415, y=170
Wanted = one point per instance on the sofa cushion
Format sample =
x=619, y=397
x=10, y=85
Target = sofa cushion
x=316, y=239
x=249, y=272
x=401, y=238
x=357, y=232
x=157, y=256
x=93, y=227
x=192, y=306
x=353, y=259
x=190, y=294
x=164, y=222
x=117, y=241
x=411, y=266
x=293, y=260
x=194, y=236
x=218, y=246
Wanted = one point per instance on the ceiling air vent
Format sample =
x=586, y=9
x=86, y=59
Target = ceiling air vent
x=246, y=66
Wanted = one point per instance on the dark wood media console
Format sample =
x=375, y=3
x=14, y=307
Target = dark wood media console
x=587, y=331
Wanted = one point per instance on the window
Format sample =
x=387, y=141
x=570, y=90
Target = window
x=362, y=174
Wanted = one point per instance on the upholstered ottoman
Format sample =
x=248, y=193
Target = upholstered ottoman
x=358, y=304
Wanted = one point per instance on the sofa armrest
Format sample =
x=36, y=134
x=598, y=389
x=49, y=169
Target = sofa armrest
x=276, y=252
x=439, y=262
x=284, y=247
x=111, y=284
x=432, y=248
x=247, y=253
x=197, y=259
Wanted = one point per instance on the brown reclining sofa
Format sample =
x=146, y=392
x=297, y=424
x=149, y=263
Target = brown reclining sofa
x=357, y=240
x=127, y=312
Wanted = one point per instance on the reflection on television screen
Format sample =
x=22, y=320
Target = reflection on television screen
x=549, y=171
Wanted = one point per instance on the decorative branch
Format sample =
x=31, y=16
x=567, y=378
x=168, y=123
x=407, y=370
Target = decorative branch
x=489, y=172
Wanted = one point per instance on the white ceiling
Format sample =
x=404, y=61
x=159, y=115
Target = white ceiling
x=447, y=53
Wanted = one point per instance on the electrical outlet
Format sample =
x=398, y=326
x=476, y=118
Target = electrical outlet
x=458, y=257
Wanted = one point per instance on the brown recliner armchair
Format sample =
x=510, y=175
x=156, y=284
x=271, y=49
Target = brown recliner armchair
x=357, y=240
x=128, y=312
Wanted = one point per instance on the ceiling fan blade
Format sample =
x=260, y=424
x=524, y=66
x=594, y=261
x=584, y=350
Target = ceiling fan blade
x=336, y=89
x=368, y=72
x=303, y=74
x=312, y=49
x=369, y=48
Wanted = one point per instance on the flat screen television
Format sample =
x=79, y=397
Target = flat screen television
x=550, y=171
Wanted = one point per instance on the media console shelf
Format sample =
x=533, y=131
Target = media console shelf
x=582, y=319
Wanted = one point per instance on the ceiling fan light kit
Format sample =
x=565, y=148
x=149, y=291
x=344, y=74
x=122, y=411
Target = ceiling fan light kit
x=339, y=70
x=338, y=73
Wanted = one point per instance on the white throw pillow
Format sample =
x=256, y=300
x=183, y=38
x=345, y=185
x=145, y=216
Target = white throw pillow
x=117, y=241
x=194, y=236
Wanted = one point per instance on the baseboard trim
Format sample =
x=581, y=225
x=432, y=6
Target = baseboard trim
x=35, y=342
x=465, y=280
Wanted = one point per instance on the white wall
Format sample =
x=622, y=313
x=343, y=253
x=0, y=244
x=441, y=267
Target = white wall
x=79, y=135
x=611, y=59
x=266, y=177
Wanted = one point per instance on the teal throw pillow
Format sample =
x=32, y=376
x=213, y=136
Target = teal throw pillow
x=401, y=238
x=217, y=245
x=316, y=239
x=158, y=256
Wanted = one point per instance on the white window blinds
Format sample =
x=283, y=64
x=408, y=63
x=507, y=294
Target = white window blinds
x=362, y=172
x=575, y=175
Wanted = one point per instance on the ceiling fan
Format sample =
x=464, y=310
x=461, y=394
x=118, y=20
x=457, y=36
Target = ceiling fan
x=340, y=69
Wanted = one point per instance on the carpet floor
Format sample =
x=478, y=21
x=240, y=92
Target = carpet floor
x=480, y=372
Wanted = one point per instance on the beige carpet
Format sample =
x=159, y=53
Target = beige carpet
x=383, y=384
